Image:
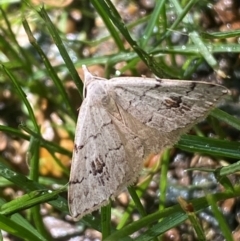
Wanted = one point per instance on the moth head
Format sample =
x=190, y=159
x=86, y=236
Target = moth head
x=88, y=78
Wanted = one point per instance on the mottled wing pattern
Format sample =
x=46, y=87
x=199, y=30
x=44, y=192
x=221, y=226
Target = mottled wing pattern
x=168, y=107
x=121, y=121
x=101, y=164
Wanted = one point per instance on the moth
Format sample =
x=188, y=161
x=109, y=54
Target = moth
x=121, y=122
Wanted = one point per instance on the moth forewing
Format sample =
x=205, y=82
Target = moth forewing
x=121, y=122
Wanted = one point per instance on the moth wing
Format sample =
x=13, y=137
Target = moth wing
x=102, y=160
x=168, y=107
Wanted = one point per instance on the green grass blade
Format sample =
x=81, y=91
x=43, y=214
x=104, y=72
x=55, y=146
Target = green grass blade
x=52, y=73
x=209, y=146
x=223, y=226
x=57, y=40
x=102, y=10
x=20, y=227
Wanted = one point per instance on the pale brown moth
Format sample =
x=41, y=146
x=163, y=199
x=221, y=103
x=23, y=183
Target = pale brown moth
x=121, y=122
